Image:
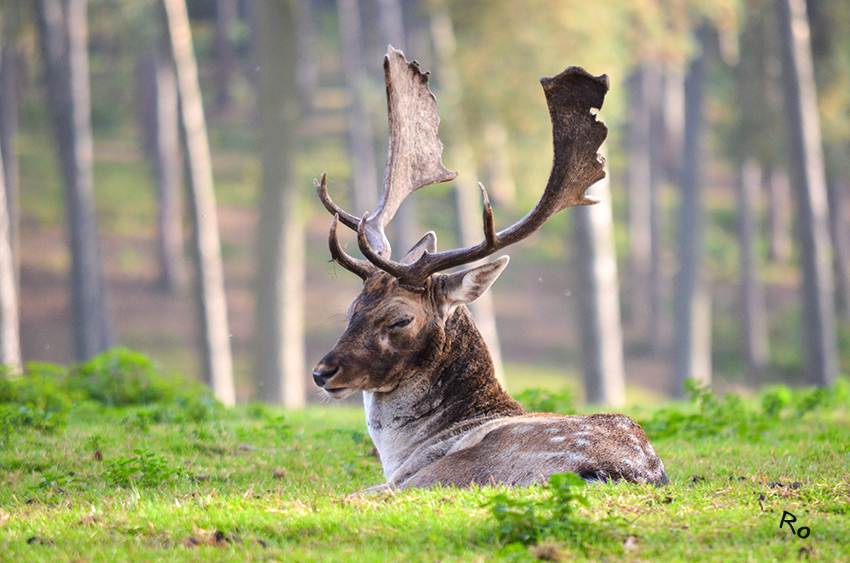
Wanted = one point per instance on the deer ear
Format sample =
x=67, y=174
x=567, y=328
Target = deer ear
x=467, y=286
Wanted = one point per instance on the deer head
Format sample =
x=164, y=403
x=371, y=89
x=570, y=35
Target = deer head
x=397, y=322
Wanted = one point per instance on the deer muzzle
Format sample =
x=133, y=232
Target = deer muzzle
x=324, y=371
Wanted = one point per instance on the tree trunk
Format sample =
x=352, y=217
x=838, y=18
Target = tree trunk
x=279, y=337
x=226, y=20
x=645, y=179
x=779, y=220
x=64, y=37
x=692, y=352
x=640, y=207
x=809, y=183
x=404, y=225
x=753, y=317
x=10, y=341
x=460, y=155
x=599, y=298
x=161, y=126
x=361, y=138
x=654, y=90
x=209, y=275
x=840, y=233
x=9, y=67
x=309, y=38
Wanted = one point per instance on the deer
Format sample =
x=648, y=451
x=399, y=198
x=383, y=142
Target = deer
x=434, y=409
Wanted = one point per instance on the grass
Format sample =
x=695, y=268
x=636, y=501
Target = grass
x=165, y=474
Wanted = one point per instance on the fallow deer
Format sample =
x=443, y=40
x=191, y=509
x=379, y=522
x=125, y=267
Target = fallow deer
x=434, y=408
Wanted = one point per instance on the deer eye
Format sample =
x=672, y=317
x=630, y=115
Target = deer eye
x=401, y=323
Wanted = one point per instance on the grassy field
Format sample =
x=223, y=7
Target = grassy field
x=109, y=461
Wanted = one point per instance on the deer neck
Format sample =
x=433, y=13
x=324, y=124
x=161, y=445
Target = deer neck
x=433, y=408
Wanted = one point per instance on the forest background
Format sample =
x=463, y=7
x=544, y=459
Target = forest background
x=729, y=186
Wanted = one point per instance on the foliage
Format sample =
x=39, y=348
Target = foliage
x=42, y=396
x=122, y=377
x=527, y=520
x=261, y=484
x=710, y=415
x=547, y=400
x=144, y=469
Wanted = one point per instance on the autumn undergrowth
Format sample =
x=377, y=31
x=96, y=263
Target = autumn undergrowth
x=112, y=461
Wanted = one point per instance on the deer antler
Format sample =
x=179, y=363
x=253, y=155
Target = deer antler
x=414, y=155
x=577, y=136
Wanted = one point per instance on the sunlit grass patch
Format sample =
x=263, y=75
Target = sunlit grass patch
x=172, y=477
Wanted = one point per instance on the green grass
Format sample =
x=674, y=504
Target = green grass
x=170, y=476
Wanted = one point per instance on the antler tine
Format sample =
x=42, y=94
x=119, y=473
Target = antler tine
x=347, y=219
x=577, y=136
x=362, y=268
x=489, y=221
x=393, y=268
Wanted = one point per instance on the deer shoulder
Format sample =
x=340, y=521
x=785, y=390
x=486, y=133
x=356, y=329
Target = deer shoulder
x=434, y=408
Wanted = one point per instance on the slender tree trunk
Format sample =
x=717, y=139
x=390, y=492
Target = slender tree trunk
x=209, y=274
x=645, y=177
x=10, y=341
x=161, y=126
x=460, y=154
x=9, y=68
x=692, y=352
x=391, y=21
x=279, y=337
x=753, y=316
x=779, y=220
x=361, y=137
x=169, y=167
x=809, y=183
x=64, y=38
x=674, y=122
x=839, y=198
x=601, y=330
x=640, y=207
x=309, y=39
x=654, y=90
x=227, y=18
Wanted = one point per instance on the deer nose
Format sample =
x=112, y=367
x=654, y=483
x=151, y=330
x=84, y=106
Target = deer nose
x=322, y=373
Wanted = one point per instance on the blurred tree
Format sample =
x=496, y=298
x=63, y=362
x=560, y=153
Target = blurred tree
x=778, y=187
x=279, y=333
x=161, y=128
x=209, y=275
x=391, y=21
x=461, y=157
x=64, y=45
x=753, y=315
x=645, y=183
x=809, y=183
x=839, y=223
x=361, y=136
x=10, y=341
x=10, y=66
x=309, y=38
x=749, y=147
x=226, y=24
x=692, y=348
x=831, y=53
x=599, y=300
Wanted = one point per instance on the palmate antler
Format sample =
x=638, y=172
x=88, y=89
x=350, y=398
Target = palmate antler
x=414, y=162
